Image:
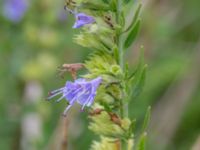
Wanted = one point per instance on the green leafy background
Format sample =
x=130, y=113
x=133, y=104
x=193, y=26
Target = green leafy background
x=31, y=51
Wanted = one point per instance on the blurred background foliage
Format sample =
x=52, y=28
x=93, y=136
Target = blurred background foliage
x=32, y=48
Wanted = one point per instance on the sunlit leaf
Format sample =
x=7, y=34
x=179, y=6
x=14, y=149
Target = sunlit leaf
x=132, y=35
x=146, y=119
x=142, y=142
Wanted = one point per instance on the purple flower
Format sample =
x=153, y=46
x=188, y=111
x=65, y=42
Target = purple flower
x=14, y=10
x=82, y=19
x=80, y=91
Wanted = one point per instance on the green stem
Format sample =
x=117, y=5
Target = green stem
x=124, y=104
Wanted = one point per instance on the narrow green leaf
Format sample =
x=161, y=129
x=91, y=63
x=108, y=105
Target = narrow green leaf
x=132, y=35
x=135, y=18
x=132, y=128
x=116, y=53
x=137, y=79
x=146, y=119
x=140, y=63
x=139, y=84
x=142, y=142
x=122, y=19
x=113, y=5
x=126, y=70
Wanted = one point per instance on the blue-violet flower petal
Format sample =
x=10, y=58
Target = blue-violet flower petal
x=83, y=19
x=80, y=91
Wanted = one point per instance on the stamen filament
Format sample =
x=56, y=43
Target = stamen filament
x=53, y=95
x=54, y=91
